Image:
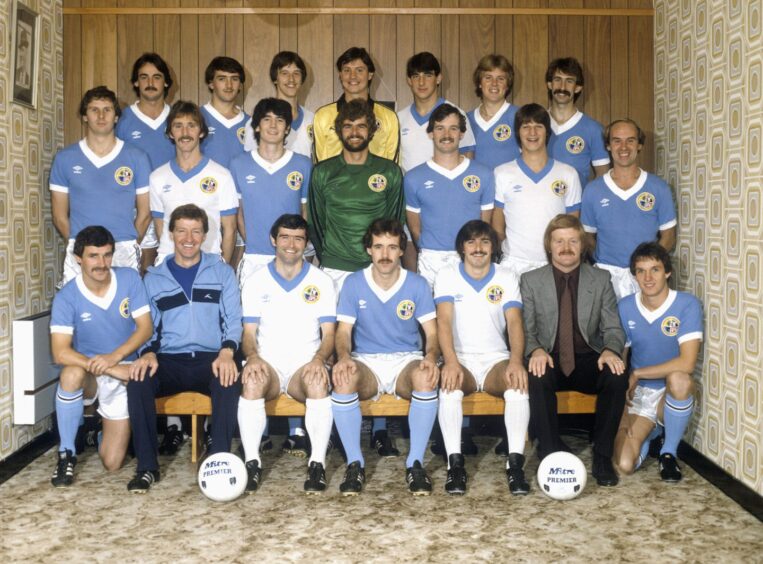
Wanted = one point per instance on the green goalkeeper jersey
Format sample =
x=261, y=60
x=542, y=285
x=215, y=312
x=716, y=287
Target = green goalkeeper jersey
x=343, y=201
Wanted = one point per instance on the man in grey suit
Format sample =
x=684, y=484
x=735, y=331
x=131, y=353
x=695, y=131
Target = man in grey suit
x=574, y=341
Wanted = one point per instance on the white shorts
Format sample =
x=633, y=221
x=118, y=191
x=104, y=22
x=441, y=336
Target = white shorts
x=480, y=364
x=386, y=367
x=149, y=239
x=431, y=262
x=520, y=266
x=286, y=366
x=645, y=402
x=126, y=253
x=338, y=276
x=623, y=281
x=250, y=263
x=112, y=398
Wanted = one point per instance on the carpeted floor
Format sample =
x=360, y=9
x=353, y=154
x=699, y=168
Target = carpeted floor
x=641, y=520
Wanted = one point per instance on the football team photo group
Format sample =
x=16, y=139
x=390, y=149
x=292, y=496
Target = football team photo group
x=337, y=255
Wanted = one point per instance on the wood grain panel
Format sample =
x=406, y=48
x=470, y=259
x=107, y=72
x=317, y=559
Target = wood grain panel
x=598, y=66
x=450, y=57
x=261, y=33
x=476, y=38
x=619, y=64
x=317, y=50
x=135, y=36
x=234, y=36
x=382, y=35
x=166, y=44
x=72, y=77
x=189, y=56
x=350, y=31
x=288, y=38
x=566, y=37
x=428, y=31
x=211, y=41
x=530, y=54
x=641, y=79
x=404, y=49
x=99, y=37
x=504, y=38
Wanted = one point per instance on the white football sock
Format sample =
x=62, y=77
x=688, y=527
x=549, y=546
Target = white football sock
x=318, y=421
x=516, y=417
x=450, y=415
x=251, y=424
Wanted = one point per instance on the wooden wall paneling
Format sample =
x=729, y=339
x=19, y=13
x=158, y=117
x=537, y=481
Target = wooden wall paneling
x=450, y=54
x=566, y=38
x=619, y=75
x=289, y=31
x=598, y=65
x=504, y=39
x=404, y=49
x=211, y=44
x=234, y=46
x=530, y=54
x=427, y=33
x=351, y=31
x=476, y=38
x=261, y=43
x=641, y=79
x=135, y=36
x=188, y=71
x=99, y=38
x=72, y=76
x=317, y=49
x=166, y=44
x=382, y=35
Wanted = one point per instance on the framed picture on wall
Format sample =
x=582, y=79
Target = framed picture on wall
x=25, y=44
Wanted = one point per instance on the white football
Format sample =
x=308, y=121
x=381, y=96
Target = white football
x=562, y=475
x=222, y=477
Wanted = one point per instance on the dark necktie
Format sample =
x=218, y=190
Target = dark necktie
x=566, y=339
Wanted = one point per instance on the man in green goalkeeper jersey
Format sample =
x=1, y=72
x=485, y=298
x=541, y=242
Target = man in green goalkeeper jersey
x=349, y=191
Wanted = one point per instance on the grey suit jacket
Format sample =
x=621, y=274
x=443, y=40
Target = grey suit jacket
x=598, y=319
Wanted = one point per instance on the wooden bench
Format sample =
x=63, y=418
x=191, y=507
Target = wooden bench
x=197, y=405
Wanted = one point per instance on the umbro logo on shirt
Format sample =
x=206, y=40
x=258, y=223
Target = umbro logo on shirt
x=516, y=188
x=211, y=130
x=631, y=324
x=86, y=316
x=250, y=178
x=458, y=298
x=135, y=135
x=604, y=202
x=428, y=184
x=77, y=169
x=405, y=131
x=167, y=188
x=362, y=304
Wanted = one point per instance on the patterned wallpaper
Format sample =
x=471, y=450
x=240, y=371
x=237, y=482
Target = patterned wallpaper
x=29, y=247
x=709, y=117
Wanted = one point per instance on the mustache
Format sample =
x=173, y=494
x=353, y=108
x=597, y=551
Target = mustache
x=448, y=139
x=562, y=91
x=186, y=138
x=151, y=89
x=385, y=261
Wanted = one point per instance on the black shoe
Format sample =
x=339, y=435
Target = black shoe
x=468, y=446
x=173, y=438
x=142, y=481
x=316, y=479
x=384, y=445
x=253, y=476
x=603, y=471
x=87, y=434
x=669, y=469
x=266, y=443
x=502, y=448
x=296, y=445
x=354, y=478
x=438, y=446
x=455, y=484
x=63, y=475
x=516, y=475
x=418, y=481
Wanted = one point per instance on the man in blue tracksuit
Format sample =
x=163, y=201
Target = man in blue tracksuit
x=196, y=308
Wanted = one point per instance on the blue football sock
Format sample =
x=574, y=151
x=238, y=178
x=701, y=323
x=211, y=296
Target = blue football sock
x=295, y=426
x=676, y=416
x=421, y=418
x=645, y=446
x=69, y=409
x=348, y=419
x=379, y=424
x=466, y=422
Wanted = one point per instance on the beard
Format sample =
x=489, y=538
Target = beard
x=356, y=148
